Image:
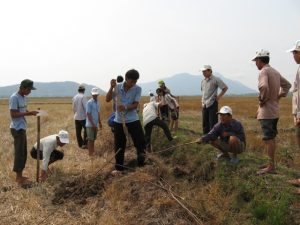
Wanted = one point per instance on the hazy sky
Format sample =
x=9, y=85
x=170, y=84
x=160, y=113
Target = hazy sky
x=94, y=41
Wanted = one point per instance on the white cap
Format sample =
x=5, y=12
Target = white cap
x=261, y=53
x=296, y=47
x=63, y=136
x=95, y=91
x=225, y=110
x=206, y=67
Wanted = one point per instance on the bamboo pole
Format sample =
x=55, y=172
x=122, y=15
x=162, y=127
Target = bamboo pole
x=38, y=148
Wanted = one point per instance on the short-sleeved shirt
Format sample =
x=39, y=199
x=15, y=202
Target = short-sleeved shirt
x=296, y=95
x=19, y=103
x=209, y=89
x=47, y=146
x=93, y=108
x=168, y=99
x=79, y=103
x=149, y=112
x=127, y=98
x=270, y=85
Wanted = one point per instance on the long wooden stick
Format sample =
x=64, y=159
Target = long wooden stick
x=38, y=148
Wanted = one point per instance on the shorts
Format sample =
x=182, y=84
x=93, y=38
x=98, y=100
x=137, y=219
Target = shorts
x=174, y=114
x=269, y=128
x=226, y=147
x=91, y=134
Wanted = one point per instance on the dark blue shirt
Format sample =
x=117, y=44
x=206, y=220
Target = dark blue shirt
x=234, y=128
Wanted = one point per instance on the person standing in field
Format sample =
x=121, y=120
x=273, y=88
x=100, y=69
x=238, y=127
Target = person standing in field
x=296, y=103
x=18, y=125
x=272, y=86
x=173, y=106
x=93, y=121
x=79, y=108
x=210, y=98
x=48, y=152
x=164, y=109
x=127, y=119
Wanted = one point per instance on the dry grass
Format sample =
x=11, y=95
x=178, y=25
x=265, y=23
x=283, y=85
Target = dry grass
x=88, y=194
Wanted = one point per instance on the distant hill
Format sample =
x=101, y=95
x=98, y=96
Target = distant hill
x=187, y=84
x=180, y=84
x=49, y=89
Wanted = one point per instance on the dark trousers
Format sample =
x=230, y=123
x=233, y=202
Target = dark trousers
x=161, y=124
x=164, y=113
x=20, y=146
x=79, y=125
x=209, y=117
x=55, y=155
x=136, y=132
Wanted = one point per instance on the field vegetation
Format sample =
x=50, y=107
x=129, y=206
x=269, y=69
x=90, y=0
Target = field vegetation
x=181, y=185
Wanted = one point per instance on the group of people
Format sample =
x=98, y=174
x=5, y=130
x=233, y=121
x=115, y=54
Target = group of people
x=228, y=135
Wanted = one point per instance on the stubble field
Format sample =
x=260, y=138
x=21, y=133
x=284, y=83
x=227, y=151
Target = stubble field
x=183, y=185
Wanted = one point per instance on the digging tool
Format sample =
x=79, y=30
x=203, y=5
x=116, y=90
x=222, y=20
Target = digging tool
x=41, y=113
x=38, y=147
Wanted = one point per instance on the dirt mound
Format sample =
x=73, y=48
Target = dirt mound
x=78, y=189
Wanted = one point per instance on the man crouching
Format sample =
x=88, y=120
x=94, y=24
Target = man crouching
x=228, y=136
x=48, y=152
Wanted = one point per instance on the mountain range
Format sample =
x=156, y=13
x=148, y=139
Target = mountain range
x=180, y=84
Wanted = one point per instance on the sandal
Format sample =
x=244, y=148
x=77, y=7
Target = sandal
x=295, y=182
x=269, y=169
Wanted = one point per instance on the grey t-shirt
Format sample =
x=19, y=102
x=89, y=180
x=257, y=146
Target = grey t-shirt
x=209, y=89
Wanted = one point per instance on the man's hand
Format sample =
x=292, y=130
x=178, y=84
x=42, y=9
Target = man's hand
x=33, y=113
x=113, y=83
x=100, y=125
x=225, y=134
x=199, y=141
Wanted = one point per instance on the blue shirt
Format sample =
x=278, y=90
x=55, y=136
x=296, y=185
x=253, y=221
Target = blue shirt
x=127, y=98
x=93, y=108
x=234, y=128
x=19, y=103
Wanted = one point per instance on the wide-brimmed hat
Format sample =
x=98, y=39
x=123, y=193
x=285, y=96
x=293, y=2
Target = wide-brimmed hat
x=261, y=53
x=27, y=84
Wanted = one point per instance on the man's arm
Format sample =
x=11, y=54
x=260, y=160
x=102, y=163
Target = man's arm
x=285, y=87
x=222, y=93
x=263, y=87
x=16, y=114
x=109, y=94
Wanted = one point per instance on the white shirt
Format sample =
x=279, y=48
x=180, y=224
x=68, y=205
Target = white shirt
x=47, y=145
x=170, y=101
x=149, y=112
x=79, y=106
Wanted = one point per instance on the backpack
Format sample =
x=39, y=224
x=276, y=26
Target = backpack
x=111, y=119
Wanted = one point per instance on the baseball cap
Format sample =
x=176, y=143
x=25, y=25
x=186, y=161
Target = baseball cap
x=225, y=110
x=161, y=82
x=63, y=136
x=296, y=47
x=95, y=91
x=261, y=53
x=27, y=84
x=206, y=67
x=81, y=87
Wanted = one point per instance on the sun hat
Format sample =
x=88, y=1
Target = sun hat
x=261, y=53
x=161, y=82
x=225, y=110
x=95, y=91
x=206, y=67
x=81, y=87
x=27, y=84
x=296, y=47
x=63, y=136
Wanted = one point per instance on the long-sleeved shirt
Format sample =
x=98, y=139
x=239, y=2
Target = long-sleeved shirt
x=47, y=146
x=270, y=85
x=233, y=128
x=296, y=96
x=79, y=106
